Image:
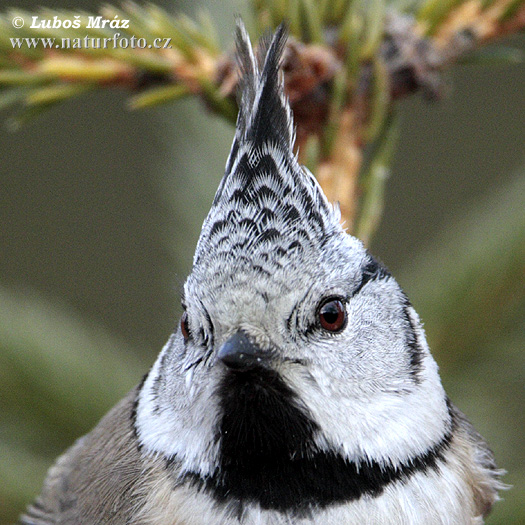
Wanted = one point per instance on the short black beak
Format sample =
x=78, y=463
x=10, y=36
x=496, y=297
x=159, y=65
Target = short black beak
x=239, y=353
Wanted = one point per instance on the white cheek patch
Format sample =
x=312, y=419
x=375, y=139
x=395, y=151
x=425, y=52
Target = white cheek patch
x=386, y=426
x=179, y=422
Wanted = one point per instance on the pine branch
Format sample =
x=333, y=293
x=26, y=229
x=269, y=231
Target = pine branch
x=346, y=64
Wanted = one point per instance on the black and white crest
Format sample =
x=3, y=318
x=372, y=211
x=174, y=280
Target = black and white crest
x=265, y=199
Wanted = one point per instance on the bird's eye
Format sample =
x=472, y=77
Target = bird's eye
x=184, y=328
x=332, y=315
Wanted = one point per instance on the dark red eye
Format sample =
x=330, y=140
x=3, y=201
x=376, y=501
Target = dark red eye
x=184, y=328
x=332, y=315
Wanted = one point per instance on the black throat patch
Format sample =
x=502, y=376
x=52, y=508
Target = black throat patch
x=268, y=456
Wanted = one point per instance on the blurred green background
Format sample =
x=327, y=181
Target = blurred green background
x=100, y=210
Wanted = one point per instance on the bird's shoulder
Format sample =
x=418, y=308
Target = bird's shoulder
x=97, y=476
x=476, y=463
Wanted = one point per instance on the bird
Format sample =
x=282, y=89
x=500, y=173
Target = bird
x=298, y=387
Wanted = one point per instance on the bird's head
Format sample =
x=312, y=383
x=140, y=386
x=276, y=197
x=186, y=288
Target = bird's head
x=294, y=339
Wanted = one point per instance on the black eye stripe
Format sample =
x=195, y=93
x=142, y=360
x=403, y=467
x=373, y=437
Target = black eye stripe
x=371, y=271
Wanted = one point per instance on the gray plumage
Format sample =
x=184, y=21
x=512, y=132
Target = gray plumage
x=299, y=388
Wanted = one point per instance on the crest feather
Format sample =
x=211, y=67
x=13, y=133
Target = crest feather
x=267, y=208
x=264, y=114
